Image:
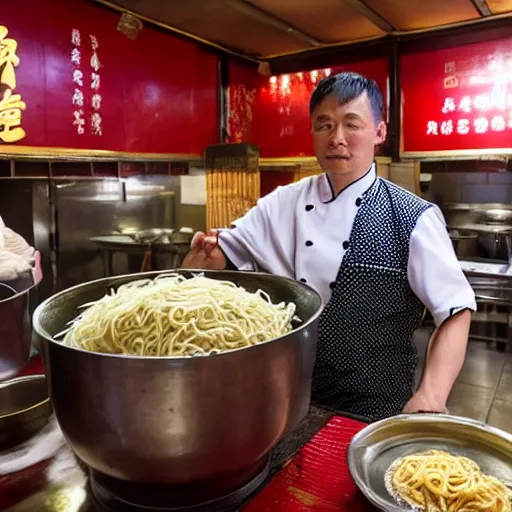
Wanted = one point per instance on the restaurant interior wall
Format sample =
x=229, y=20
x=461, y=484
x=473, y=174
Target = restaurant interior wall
x=96, y=110
x=261, y=109
x=425, y=83
x=273, y=113
x=470, y=181
x=85, y=87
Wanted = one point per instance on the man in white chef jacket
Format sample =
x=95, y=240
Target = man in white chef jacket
x=377, y=254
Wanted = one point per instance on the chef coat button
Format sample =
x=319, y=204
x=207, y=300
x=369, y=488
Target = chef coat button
x=332, y=285
x=309, y=207
x=309, y=243
x=345, y=245
x=303, y=280
x=358, y=201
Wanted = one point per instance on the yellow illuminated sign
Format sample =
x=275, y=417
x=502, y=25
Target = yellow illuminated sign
x=11, y=105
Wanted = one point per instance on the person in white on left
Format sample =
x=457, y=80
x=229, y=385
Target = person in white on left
x=17, y=257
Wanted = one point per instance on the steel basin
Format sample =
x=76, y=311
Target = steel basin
x=180, y=420
x=24, y=409
x=15, y=325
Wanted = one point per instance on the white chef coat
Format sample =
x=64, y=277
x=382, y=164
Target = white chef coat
x=302, y=230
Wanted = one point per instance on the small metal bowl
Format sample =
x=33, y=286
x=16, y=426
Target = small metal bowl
x=375, y=448
x=24, y=409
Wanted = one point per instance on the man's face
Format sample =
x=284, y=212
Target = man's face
x=345, y=136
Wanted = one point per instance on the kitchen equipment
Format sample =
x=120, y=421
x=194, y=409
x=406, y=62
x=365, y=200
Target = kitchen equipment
x=24, y=409
x=376, y=447
x=492, y=322
x=498, y=216
x=183, y=236
x=176, y=421
x=491, y=222
x=494, y=239
x=163, y=256
x=6, y=291
x=497, y=244
x=464, y=243
x=173, y=245
x=15, y=325
x=155, y=235
x=457, y=214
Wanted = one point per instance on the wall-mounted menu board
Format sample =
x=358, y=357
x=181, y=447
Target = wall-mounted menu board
x=70, y=79
x=273, y=112
x=458, y=100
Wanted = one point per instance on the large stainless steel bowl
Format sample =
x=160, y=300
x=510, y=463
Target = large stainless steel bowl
x=180, y=420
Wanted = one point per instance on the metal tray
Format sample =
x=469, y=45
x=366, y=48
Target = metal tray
x=377, y=446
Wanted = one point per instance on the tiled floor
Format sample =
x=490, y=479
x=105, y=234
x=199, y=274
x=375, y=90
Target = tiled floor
x=483, y=390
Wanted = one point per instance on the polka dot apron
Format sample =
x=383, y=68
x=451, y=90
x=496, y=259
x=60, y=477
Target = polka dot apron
x=365, y=358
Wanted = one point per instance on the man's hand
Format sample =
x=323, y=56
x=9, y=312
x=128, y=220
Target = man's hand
x=205, y=253
x=421, y=402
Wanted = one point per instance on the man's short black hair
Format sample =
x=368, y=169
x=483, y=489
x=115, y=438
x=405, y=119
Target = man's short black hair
x=345, y=87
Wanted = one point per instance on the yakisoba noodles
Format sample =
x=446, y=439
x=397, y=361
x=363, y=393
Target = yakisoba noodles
x=437, y=481
x=175, y=316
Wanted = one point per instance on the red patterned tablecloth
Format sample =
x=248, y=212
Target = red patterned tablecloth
x=317, y=479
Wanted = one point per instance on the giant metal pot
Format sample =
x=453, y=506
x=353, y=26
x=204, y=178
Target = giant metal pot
x=179, y=420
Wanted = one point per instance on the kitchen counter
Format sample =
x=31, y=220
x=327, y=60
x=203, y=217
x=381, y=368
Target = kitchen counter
x=163, y=255
x=487, y=269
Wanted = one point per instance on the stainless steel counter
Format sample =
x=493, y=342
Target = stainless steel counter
x=492, y=284
x=487, y=269
x=163, y=255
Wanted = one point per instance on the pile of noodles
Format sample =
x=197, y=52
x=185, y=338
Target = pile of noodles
x=437, y=481
x=175, y=316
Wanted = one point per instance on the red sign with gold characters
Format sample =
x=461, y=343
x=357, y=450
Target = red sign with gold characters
x=69, y=78
x=11, y=104
x=458, y=99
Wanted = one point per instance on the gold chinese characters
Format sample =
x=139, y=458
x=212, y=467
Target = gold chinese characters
x=11, y=105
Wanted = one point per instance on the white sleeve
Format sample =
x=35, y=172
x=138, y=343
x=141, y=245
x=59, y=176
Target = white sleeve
x=254, y=243
x=434, y=272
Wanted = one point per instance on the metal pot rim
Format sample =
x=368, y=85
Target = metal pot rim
x=23, y=292
x=14, y=381
x=46, y=336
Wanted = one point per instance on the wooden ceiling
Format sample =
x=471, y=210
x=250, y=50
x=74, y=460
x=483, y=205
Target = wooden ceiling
x=265, y=29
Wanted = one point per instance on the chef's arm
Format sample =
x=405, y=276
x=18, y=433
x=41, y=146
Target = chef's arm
x=436, y=278
x=444, y=360
x=241, y=247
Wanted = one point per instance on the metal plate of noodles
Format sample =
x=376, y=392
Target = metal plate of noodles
x=374, y=449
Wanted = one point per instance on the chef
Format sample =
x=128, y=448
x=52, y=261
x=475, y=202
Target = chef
x=377, y=254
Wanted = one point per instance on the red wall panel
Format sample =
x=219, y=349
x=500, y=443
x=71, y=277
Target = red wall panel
x=459, y=98
x=158, y=93
x=273, y=112
x=270, y=180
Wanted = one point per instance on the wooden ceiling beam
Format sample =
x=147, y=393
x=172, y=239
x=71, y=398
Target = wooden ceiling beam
x=249, y=9
x=482, y=8
x=326, y=57
x=160, y=25
x=363, y=8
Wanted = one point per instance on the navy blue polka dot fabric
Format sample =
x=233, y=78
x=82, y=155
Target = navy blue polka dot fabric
x=366, y=360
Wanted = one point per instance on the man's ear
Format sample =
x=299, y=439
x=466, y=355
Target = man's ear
x=381, y=133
